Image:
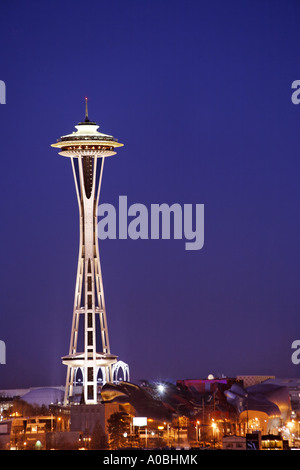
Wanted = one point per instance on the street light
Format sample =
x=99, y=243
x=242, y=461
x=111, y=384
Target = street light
x=214, y=427
x=197, y=431
x=168, y=432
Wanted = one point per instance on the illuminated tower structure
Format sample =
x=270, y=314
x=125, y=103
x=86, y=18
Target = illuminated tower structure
x=87, y=149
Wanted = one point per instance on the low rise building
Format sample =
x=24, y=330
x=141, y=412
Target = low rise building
x=234, y=443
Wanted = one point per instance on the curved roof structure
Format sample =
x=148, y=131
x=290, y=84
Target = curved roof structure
x=44, y=396
x=139, y=398
x=271, y=399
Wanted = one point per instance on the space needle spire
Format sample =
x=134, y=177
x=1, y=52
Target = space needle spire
x=86, y=110
x=87, y=149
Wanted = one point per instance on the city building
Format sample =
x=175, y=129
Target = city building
x=265, y=406
x=234, y=443
x=293, y=387
x=207, y=413
x=249, y=380
x=274, y=442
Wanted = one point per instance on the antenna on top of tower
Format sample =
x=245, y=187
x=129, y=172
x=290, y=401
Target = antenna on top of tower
x=86, y=110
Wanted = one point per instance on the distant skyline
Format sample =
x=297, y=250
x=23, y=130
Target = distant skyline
x=200, y=95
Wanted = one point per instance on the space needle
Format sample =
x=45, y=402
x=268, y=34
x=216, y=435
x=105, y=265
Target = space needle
x=87, y=149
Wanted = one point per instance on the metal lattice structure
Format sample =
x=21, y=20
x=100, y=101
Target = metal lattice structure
x=87, y=149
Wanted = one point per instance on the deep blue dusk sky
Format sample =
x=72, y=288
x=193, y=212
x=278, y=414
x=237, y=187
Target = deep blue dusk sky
x=199, y=92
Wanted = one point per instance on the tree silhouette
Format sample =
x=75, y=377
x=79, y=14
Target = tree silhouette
x=117, y=426
x=99, y=440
